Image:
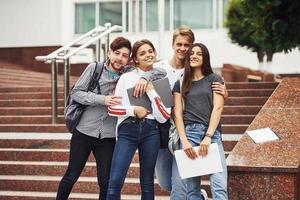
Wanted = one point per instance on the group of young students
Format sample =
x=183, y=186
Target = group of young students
x=113, y=129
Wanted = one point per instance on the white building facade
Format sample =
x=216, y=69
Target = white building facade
x=38, y=23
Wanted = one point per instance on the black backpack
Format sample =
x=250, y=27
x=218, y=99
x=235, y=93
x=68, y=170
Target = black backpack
x=73, y=110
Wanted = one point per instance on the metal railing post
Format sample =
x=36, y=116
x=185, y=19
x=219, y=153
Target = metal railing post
x=54, y=90
x=66, y=79
x=98, y=50
x=107, y=26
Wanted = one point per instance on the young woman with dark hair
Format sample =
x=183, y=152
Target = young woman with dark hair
x=197, y=116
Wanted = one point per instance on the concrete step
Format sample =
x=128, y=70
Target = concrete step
x=251, y=85
x=250, y=92
x=29, y=195
x=83, y=185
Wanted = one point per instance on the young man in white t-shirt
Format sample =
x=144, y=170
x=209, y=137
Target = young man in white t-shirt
x=166, y=168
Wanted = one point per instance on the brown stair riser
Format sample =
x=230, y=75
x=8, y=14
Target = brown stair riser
x=46, y=102
x=40, y=128
x=237, y=119
x=251, y=93
x=64, y=156
x=31, y=83
x=229, y=86
x=31, y=198
x=29, y=89
x=84, y=187
x=35, y=144
x=27, y=119
x=242, y=110
x=29, y=103
x=20, y=197
x=44, y=156
x=29, y=111
x=249, y=85
x=43, y=128
x=63, y=144
x=9, y=72
x=29, y=95
x=246, y=101
x=44, y=170
x=47, y=95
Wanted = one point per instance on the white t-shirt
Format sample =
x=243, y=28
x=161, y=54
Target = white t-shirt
x=172, y=74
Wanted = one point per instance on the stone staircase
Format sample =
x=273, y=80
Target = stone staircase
x=34, y=153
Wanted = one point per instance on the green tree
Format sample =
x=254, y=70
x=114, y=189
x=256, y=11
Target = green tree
x=266, y=26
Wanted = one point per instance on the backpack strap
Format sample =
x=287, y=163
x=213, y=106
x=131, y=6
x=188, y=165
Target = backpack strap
x=96, y=76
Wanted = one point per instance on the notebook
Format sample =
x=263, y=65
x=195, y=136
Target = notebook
x=200, y=166
x=162, y=88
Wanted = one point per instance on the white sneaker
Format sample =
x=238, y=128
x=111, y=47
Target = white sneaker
x=204, y=194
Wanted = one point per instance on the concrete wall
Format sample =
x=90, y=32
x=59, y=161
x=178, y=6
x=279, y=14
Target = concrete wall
x=30, y=23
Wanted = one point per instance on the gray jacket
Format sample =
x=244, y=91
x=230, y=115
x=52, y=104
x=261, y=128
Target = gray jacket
x=95, y=120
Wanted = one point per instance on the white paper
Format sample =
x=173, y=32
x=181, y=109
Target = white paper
x=209, y=164
x=262, y=135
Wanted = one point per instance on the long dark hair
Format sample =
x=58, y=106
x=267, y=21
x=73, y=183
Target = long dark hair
x=189, y=73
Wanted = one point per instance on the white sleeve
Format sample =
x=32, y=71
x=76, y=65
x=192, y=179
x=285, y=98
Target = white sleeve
x=123, y=110
x=159, y=111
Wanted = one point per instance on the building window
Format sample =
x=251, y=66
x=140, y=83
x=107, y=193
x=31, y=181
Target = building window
x=84, y=17
x=142, y=15
x=152, y=15
x=225, y=5
x=110, y=12
x=193, y=13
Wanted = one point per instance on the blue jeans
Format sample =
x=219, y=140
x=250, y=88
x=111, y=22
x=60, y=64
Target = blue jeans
x=168, y=176
x=141, y=135
x=218, y=181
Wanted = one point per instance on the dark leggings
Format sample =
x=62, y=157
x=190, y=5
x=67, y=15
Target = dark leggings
x=80, y=149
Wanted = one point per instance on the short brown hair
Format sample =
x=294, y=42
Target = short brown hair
x=184, y=31
x=119, y=43
x=138, y=44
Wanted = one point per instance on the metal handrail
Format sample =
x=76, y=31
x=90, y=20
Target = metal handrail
x=106, y=32
x=64, y=53
x=66, y=47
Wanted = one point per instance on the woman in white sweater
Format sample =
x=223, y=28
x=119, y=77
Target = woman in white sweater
x=137, y=126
